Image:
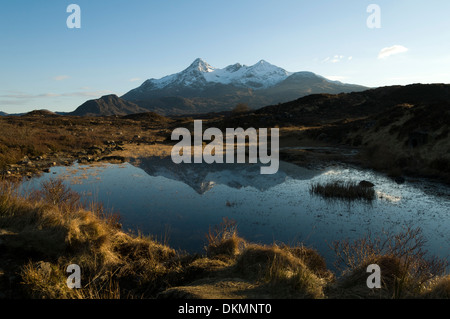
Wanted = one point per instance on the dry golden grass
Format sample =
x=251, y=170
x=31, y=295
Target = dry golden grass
x=406, y=268
x=37, y=136
x=56, y=232
x=438, y=289
x=224, y=241
x=280, y=270
x=46, y=231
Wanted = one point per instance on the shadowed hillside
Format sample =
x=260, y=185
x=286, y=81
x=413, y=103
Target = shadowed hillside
x=397, y=129
x=322, y=108
x=107, y=105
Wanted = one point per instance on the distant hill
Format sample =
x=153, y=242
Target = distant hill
x=3, y=113
x=202, y=88
x=396, y=129
x=322, y=108
x=401, y=116
x=107, y=105
x=40, y=113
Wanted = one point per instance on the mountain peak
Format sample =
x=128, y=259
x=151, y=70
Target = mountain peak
x=201, y=65
x=234, y=67
x=204, y=87
x=263, y=64
x=198, y=61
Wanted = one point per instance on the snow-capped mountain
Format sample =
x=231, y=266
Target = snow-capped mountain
x=258, y=76
x=202, y=88
x=193, y=75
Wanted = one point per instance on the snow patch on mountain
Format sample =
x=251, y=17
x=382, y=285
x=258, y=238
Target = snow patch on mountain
x=259, y=76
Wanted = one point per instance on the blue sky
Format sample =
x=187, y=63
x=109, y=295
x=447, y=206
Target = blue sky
x=45, y=65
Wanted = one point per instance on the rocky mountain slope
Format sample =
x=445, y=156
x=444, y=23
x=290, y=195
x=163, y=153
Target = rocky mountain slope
x=202, y=88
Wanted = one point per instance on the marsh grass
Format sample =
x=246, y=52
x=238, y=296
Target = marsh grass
x=52, y=230
x=222, y=239
x=343, y=190
x=284, y=270
x=42, y=233
x=406, y=267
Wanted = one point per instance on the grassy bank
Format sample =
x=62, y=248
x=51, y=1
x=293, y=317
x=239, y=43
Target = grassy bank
x=44, y=232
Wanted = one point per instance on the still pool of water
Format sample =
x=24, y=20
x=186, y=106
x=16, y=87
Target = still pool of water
x=179, y=203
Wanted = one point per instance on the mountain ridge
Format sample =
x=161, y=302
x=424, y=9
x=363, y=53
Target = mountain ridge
x=202, y=88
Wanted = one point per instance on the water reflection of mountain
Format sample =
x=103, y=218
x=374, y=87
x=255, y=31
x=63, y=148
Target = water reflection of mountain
x=203, y=177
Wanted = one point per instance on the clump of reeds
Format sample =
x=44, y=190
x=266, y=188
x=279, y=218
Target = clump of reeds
x=407, y=271
x=343, y=190
x=223, y=239
x=284, y=270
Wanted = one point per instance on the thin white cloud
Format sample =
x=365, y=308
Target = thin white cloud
x=336, y=59
x=61, y=77
x=28, y=96
x=395, y=49
x=134, y=79
x=11, y=102
x=87, y=94
x=21, y=99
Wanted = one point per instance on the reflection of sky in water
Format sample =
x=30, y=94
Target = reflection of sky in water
x=185, y=203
